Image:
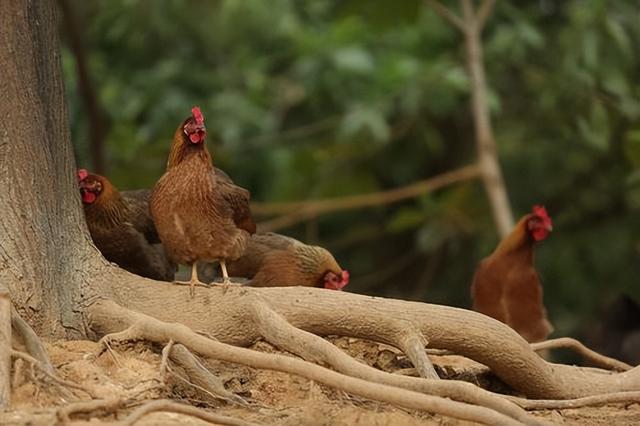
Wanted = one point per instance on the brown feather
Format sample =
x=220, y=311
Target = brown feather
x=199, y=213
x=506, y=286
x=276, y=260
x=122, y=229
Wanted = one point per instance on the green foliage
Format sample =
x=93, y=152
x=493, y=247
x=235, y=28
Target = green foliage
x=320, y=98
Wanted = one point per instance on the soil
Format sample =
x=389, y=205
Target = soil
x=132, y=373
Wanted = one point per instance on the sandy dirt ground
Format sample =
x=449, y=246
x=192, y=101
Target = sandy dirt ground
x=133, y=374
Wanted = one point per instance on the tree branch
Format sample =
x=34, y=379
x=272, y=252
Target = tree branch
x=485, y=9
x=299, y=211
x=446, y=14
x=485, y=141
x=97, y=122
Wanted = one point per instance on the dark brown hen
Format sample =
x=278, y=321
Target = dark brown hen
x=273, y=260
x=122, y=229
x=506, y=285
x=199, y=213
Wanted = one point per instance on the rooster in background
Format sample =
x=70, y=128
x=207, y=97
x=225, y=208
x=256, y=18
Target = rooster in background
x=121, y=227
x=506, y=285
x=276, y=260
x=199, y=213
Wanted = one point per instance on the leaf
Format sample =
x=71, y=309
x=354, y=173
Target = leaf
x=353, y=59
x=595, y=131
x=406, y=218
x=365, y=119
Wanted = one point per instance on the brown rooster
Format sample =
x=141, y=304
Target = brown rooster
x=199, y=213
x=506, y=285
x=275, y=260
x=122, y=229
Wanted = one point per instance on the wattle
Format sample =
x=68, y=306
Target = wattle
x=88, y=197
x=540, y=234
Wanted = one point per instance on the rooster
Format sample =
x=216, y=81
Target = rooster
x=121, y=227
x=199, y=213
x=275, y=260
x=506, y=285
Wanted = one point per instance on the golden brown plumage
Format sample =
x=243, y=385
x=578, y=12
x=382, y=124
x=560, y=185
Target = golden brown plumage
x=506, y=285
x=199, y=213
x=276, y=260
x=122, y=229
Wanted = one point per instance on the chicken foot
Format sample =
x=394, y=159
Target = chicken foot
x=226, y=281
x=194, y=281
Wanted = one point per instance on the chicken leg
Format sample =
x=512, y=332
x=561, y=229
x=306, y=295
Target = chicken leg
x=193, y=281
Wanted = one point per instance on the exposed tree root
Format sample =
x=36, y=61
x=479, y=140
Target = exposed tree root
x=231, y=319
x=174, y=407
x=48, y=374
x=275, y=329
x=108, y=317
x=200, y=377
x=5, y=342
x=278, y=331
x=588, y=354
x=164, y=361
x=110, y=405
x=595, y=400
x=30, y=340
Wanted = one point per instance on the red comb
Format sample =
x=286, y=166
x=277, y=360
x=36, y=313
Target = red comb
x=539, y=210
x=345, y=276
x=197, y=115
x=82, y=174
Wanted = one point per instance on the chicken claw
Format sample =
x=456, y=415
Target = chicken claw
x=193, y=282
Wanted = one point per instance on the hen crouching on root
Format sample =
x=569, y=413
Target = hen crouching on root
x=199, y=213
x=121, y=227
x=506, y=285
x=274, y=260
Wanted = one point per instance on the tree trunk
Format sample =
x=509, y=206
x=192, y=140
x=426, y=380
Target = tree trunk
x=44, y=244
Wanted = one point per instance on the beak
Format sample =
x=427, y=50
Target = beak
x=549, y=227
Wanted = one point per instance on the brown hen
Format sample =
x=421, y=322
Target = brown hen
x=506, y=285
x=273, y=260
x=122, y=229
x=199, y=213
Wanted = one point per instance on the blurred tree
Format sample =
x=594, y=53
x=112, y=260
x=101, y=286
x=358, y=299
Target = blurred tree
x=316, y=99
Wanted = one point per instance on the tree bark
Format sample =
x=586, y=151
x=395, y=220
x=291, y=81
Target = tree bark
x=5, y=348
x=45, y=252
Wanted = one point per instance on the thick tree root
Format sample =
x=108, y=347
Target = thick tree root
x=30, y=340
x=278, y=331
x=199, y=377
x=5, y=343
x=230, y=319
x=174, y=407
x=108, y=317
x=275, y=329
x=590, y=355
